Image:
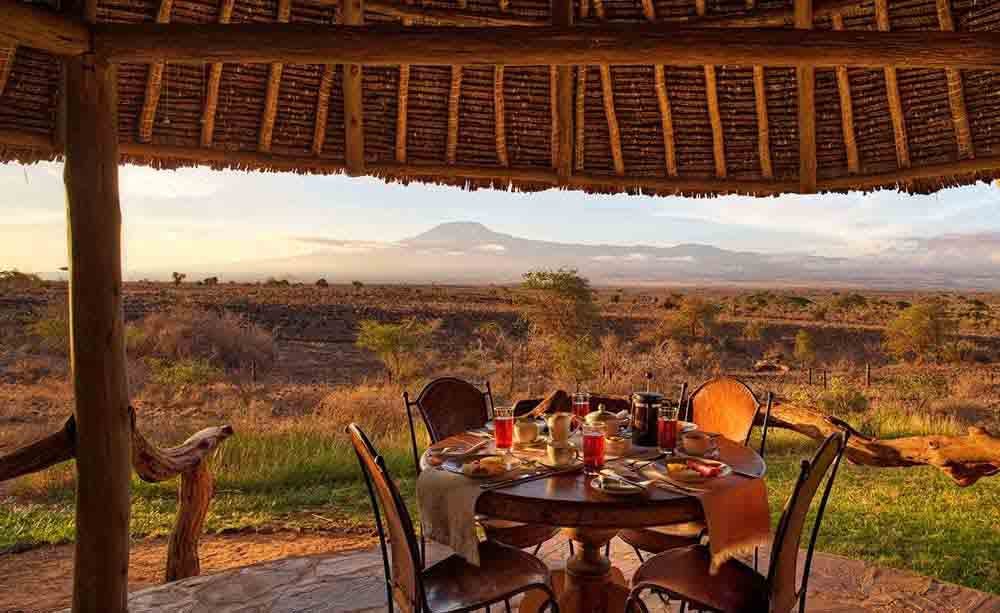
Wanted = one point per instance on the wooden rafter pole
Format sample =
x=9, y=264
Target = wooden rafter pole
x=846, y=108
x=383, y=44
x=614, y=133
x=712, y=100
x=97, y=346
x=273, y=87
x=446, y=17
x=6, y=65
x=956, y=90
x=322, y=108
x=354, y=140
x=402, y=104
x=562, y=111
x=579, y=117
x=154, y=83
x=454, y=99
x=500, y=116
x=213, y=82
x=663, y=102
x=892, y=93
x=763, y=123
x=806, y=79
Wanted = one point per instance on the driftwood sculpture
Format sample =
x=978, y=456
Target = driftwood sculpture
x=189, y=460
x=966, y=458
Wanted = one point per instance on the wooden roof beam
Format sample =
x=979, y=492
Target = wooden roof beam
x=354, y=139
x=663, y=102
x=846, y=108
x=806, y=79
x=499, y=116
x=579, y=117
x=154, y=82
x=402, y=104
x=956, y=90
x=892, y=93
x=426, y=15
x=763, y=123
x=561, y=99
x=6, y=65
x=715, y=119
x=322, y=108
x=212, y=84
x=614, y=133
x=454, y=98
x=22, y=24
x=382, y=44
x=273, y=87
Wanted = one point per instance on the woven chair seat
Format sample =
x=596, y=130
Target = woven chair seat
x=516, y=534
x=683, y=573
x=455, y=585
x=662, y=538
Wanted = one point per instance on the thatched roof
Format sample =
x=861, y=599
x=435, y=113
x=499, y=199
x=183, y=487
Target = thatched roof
x=636, y=128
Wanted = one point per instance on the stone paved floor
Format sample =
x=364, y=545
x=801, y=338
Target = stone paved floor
x=353, y=583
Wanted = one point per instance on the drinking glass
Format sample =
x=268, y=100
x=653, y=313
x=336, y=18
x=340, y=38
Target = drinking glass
x=666, y=429
x=503, y=428
x=593, y=448
x=581, y=404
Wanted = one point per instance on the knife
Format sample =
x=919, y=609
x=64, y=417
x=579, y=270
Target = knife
x=530, y=477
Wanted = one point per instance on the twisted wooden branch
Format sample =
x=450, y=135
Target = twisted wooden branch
x=152, y=464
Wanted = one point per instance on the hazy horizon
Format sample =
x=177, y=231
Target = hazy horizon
x=205, y=222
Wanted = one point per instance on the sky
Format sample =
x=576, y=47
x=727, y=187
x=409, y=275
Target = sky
x=192, y=218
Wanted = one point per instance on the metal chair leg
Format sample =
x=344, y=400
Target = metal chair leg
x=638, y=553
x=538, y=548
x=572, y=552
x=506, y=604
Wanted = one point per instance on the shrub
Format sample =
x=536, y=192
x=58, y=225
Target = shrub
x=696, y=318
x=178, y=277
x=805, y=348
x=182, y=373
x=919, y=332
x=842, y=398
x=754, y=330
x=19, y=280
x=52, y=330
x=322, y=283
x=560, y=304
x=185, y=333
x=576, y=360
x=357, y=284
x=210, y=281
x=396, y=345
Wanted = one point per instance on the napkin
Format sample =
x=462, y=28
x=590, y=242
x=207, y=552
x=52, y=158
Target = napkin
x=447, y=503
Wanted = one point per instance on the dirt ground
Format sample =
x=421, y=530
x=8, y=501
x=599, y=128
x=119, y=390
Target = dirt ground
x=40, y=580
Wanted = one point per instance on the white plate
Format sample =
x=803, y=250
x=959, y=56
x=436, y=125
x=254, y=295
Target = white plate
x=616, y=488
x=691, y=476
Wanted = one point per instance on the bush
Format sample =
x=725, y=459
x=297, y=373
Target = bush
x=576, y=360
x=805, y=348
x=185, y=333
x=15, y=279
x=919, y=332
x=183, y=372
x=397, y=345
x=322, y=283
x=560, y=304
x=696, y=318
x=754, y=330
x=52, y=330
x=843, y=398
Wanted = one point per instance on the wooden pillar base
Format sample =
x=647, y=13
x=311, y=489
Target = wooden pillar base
x=589, y=584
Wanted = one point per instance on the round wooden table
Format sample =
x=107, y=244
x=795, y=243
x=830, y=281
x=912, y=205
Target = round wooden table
x=592, y=518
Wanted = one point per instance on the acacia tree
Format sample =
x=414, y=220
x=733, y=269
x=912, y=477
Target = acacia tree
x=178, y=277
x=695, y=318
x=396, y=345
x=919, y=332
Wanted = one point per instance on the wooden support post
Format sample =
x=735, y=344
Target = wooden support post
x=97, y=347
x=806, y=77
x=454, y=98
x=868, y=374
x=614, y=133
x=892, y=93
x=6, y=65
x=499, y=116
x=763, y=124
x=154, y=83
x=354, y=138
x=846, y=108
x=810, y=376
x=273, y=87
x=956, y=90
x=212, y=85
x=562, y=139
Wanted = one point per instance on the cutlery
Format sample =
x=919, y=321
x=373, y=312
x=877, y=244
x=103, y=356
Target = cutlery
x=613, y=475
x=744, y=474
x=680, y=486
x=531, y=477
x=636, y=464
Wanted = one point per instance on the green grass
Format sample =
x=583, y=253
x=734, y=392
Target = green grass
x=914, y=518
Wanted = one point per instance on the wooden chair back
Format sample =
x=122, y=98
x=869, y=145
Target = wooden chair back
x=726, y=406
x=451, y=406
x=788, y=537
x=404, y=565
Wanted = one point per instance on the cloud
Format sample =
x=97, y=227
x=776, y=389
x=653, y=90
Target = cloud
x=492, y=248
x=346, y=247
x=141, y=182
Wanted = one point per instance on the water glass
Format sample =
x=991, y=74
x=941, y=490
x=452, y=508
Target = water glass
x=594, y=445
x=503, y=427
x=581, y=404
x=666, y=429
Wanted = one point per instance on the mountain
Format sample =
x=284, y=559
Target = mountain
x=469, y=252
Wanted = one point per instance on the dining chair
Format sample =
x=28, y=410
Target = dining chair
x=451, y=585
x=683, y=574
x=450, y=406
x=722, y=405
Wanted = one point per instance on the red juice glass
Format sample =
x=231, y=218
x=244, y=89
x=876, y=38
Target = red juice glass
x=593, y=448
x=581, y=404
x=666, y=429
x=503, y=427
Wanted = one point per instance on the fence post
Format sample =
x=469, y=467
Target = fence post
x=868, y=374
x=810, y=376
x=253, y=371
